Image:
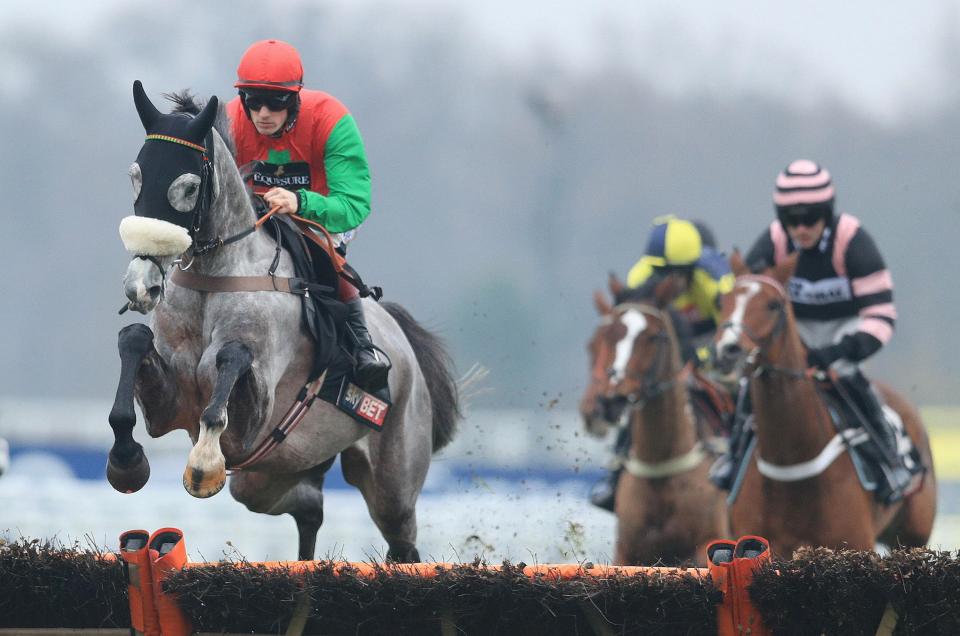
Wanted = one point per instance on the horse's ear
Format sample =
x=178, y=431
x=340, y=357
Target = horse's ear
x=666, y=291
x=600, y=302
x=784, y=270
x=615, y=284
x=737, y=266
x=145, y=108
x=203, y=122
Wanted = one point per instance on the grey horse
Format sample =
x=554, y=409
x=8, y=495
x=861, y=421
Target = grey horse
x=226, y=366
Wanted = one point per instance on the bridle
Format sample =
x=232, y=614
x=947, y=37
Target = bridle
x=837, y=444
x=651, y=384
x=651, y=388
x=205, y=196
x=200, y=210
x=757, y=359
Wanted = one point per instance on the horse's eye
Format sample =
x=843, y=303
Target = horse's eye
x=775, y=305
x=136, y=179
x=183, y=192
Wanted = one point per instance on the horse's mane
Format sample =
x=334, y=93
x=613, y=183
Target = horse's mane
x=642, y=294
x=185, y=102
x=645, y=295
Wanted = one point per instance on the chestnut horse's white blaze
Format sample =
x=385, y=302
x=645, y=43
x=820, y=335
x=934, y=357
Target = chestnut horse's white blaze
x=744, y=292
x=635, y=322
x=666, y=508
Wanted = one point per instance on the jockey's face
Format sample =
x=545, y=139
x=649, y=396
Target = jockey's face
x=268, y=122
x=806, y=236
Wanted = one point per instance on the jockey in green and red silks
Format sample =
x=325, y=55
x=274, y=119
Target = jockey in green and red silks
x=306, y=157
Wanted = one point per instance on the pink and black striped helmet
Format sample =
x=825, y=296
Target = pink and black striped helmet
x=804, y=187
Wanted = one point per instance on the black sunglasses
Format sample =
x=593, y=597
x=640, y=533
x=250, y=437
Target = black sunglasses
x=273, y=100
x=802, y=215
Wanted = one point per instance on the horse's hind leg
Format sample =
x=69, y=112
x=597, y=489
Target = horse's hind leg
x=391, y=495
x=127, y=466
x=206, y=472
x=308, y=512
x=299, y=494
x=913, y=523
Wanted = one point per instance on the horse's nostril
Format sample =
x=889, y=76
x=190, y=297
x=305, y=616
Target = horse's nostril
x=732, y=350
x=611, y=407
x=154, y=292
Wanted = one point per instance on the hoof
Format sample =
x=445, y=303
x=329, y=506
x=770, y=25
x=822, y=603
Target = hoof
x=403, y=554
x=129, y=476
x=202, y=484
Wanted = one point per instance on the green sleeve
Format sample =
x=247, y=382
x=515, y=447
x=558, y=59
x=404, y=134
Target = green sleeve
x=348, y=180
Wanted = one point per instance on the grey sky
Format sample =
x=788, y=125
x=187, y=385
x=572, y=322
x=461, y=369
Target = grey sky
x=886, y=59
x=488, y=116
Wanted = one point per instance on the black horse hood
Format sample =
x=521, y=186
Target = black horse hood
x=172, y=177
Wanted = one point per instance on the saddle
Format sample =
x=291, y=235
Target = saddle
x=317, y=262
x=868, y=460
x=871, y=468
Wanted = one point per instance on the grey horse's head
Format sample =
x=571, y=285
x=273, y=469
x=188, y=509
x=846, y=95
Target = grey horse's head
x=173, y=185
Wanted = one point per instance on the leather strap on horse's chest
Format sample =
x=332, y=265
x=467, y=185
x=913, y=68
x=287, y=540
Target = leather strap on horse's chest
x=811, y=468
x=200, y=282
x=290, y=420
x=674, y=466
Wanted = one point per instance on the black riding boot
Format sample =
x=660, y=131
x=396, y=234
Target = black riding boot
x=883, y=439
x=603, y=492
x=372, y=365
x=724, y=470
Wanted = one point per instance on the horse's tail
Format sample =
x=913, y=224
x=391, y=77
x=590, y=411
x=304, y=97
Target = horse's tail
x=436, y=365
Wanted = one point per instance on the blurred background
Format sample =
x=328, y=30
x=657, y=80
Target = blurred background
x=519, y=152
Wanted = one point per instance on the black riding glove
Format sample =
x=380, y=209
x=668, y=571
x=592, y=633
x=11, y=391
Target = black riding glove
x=823, y=357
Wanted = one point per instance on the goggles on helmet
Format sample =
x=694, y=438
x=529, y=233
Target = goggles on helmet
x=273, y=100
x=805, y=215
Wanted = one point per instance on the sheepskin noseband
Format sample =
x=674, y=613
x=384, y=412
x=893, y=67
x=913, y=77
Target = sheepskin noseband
x=147, y=236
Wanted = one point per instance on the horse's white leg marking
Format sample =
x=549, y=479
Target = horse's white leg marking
x=635, y=323
x=206, y=454
x=731, y=335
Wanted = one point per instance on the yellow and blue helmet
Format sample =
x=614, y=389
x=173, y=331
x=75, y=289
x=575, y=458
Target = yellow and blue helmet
x=673, y=242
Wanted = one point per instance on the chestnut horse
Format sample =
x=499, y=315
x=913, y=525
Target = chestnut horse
x=667, y=510
x=808, y=493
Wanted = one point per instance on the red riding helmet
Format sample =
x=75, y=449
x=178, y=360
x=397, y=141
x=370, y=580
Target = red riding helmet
x=271, y=65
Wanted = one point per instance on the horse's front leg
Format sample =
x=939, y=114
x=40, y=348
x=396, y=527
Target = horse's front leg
x=206, y=472
x=127, y=466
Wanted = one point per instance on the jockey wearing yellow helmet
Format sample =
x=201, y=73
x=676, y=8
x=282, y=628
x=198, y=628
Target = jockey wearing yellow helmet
x=687, y=250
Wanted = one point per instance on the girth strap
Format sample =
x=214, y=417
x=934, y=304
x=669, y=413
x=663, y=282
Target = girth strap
x=201, y=282
x=288, y=422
